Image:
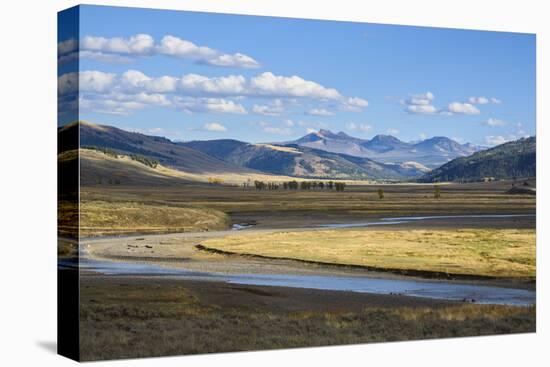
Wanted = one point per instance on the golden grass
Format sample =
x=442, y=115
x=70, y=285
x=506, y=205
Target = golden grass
x=280, y=148
x=101, y=217
x=481, y=252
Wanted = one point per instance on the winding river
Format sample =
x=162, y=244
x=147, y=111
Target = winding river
x=357, y=283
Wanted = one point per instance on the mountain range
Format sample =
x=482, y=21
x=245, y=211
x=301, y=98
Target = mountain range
x=341, y=157
x=300, y=161
x=432, y=152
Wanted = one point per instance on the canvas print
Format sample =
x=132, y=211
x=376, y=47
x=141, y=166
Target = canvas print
x=237, y=183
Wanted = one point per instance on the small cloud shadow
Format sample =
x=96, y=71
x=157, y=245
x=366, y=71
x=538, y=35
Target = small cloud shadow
x=50, y=346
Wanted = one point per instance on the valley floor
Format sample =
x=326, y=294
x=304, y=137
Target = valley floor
x=126, y=316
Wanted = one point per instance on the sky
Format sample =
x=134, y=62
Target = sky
x=198, y=76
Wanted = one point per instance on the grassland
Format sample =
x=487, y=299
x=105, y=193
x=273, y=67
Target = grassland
x=104, y=218
x=125, y=318
x=480, y=252
x=291, y=208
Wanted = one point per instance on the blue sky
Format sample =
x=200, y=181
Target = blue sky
x=192, y=76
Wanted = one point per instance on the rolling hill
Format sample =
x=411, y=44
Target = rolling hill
x=300, y=161
x=509, y=160
x=168, y=153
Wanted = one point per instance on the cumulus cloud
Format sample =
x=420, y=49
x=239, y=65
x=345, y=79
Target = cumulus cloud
x=290, y=86
x=478, y=100
x=483, y=100
x=320, y=112
x=462, y=108
x=175, y=46
x=120, y=49
x=203, y=93
x=273, y=109
x=421, y=109
x=235, y=60
x=95, y=81
x=193, y=93
x=393, y=131
x=353, y=104
x=67, y=50
x=213, y=105
x=139, y=44
x=67, y=46
x=420, y=103
x=214, y=126
x=67, y=83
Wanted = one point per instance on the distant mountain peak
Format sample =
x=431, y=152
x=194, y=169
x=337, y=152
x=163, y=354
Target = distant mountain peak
x=326, y=133
x=387, y=138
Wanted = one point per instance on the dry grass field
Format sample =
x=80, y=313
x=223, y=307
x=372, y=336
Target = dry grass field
x=129, y=318
x=104, y=218
x=481, y=252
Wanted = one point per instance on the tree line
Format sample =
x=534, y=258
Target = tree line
x=295, y=185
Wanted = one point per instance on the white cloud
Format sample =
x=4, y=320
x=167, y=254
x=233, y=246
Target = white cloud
x=95, y=81
x=393, y=131
x=478, y=100
x=320, y=112
x=494, y=122
x=463, y=108
x=274, y=85
x=113, y=106
x=235, y=60
x=139, y=44
x=175, y=46
x=421, y=109
x=423, y=136
x=228, y=85
x=353, y=104
x=420, y=104
x=67, y=46
x=119, y=49
x=67, y=83
x=214, y=126
x=104, y=57
x=359, y=127
x=483, y=100
x=310, y=130
x=214, y=105
x=196, y=93
x=274, y=109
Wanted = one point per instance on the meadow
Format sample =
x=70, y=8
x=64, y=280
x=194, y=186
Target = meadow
x=508, y=253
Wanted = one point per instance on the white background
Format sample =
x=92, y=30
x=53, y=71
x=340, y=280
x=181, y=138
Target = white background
x=28, y=182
